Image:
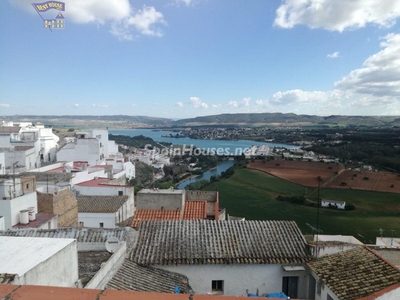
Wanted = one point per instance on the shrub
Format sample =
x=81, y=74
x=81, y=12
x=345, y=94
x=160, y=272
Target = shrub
x=349, y=206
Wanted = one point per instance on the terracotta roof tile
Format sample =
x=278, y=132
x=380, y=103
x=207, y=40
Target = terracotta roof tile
x=100, y=204
x=195, y=210
x=147, y=279
x=219, y=242
x=154, y=215
x=50, y=293
x=129, y=295
x=6, y=289
x=355, y=273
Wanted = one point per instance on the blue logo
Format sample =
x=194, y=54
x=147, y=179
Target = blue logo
x=59, y=21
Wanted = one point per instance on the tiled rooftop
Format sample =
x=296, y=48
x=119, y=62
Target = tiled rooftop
x=94, y=182
x=100, y=182
x=154, y=215
x=355, y=273
x=83, y=235
x=14, y=292
x=100, y=204
x=195, y=210
x=219, y=242
x=41, y=218
x=22, y=148
x=147, y=279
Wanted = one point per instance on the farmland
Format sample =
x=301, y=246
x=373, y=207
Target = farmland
x=364, y=180
x=252, y=194
x=333, y=175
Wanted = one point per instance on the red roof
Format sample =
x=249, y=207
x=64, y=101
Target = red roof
x=195, y=210
x=32, y=292
x=95, y=182
x=154, y=215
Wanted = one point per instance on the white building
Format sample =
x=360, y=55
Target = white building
x=104, y=211
x=26, y=136
x=228, y=257
x=18, y=204
x=40, y=261
x=333, y=204
x=91, y=146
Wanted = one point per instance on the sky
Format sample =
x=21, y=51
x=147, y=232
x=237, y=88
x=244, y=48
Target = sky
x=186, y=58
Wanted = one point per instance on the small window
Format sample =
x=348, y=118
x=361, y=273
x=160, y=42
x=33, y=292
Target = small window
x=217, y=287
x=101, y=225
x=120, y=193
x=27, y=186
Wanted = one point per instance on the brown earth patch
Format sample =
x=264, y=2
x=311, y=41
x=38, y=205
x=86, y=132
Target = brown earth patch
x=366, y=180
x=301, y=172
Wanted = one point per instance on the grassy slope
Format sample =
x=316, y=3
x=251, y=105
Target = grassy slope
x=252, y=194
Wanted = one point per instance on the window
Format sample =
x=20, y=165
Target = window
x=328, y=297
x=120, y=193
x=217, y=287
x=27, y=186
x=49, y=156
x=101, y=225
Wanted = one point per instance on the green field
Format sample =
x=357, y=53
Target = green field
x=252, y=194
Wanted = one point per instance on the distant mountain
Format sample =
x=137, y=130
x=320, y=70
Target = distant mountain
x=74, y=120
x=240, y=119
x=261, y=118
x=285, y=119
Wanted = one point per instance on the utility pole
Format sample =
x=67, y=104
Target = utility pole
x=318, y=205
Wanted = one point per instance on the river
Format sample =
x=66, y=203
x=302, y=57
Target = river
x=235, y=147
x=226, y=146
x=222, y=166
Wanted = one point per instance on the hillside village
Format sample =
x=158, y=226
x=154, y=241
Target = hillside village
x=71, y=224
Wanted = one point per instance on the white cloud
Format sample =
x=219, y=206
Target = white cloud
x=4, y=105
x=380, y=75
x=180, y=104
x=215, y=106
x=244, y=102
x=197, y=103
x=100, y=105
x=234, y=103
x=145, y=19
x=333, y=55
x=337, y=15
x=76, y=105
x=119, y=14
x=186, y=2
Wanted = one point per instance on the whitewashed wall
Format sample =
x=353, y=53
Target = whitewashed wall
x=93, y=220
x=238, y=278
x=10, y=209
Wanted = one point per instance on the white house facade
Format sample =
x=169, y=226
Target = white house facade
x=228, y=257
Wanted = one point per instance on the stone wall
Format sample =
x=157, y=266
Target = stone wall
x=62, y=203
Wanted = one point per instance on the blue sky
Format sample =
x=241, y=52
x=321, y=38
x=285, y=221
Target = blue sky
x=187, y=58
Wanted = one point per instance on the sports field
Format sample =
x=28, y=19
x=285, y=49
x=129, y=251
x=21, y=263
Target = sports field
x=252, y=194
